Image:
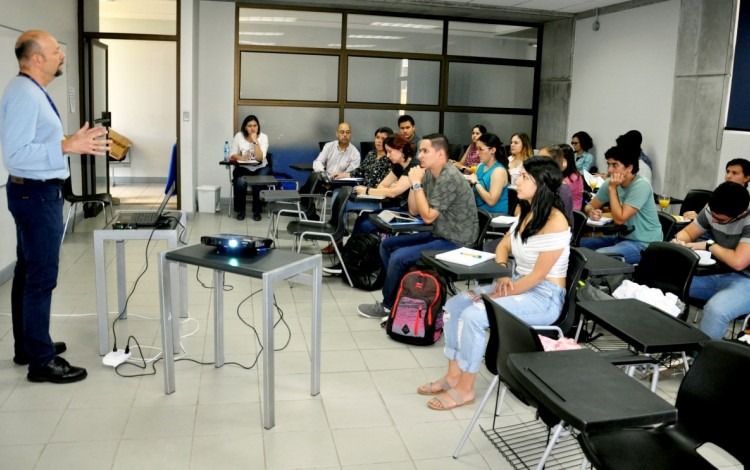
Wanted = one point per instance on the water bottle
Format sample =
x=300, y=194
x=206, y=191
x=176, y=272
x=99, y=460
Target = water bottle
x=227, y=152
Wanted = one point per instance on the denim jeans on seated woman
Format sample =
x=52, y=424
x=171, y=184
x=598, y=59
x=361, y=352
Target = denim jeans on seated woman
x=465, y=322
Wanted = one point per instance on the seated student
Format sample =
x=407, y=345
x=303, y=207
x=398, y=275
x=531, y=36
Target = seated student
x=631, y=201
x=408, y=129
x=249, y=144
x=395, y=186
x=582, y=143
x=373, y=168
x=337, y=156
x=572, y=177
x=490, y=182
x=635, y=139
x=440, y=196
x=566, y=196
x=540, y=243
x=471, y=157
x=725, y=220
x=737, y=171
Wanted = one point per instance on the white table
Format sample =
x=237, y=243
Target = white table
x=170, y=234
x=272, y=266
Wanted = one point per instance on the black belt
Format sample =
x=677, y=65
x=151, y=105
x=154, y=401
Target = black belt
x=19, y=180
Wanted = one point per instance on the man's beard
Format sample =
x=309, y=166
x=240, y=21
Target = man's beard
x=59, y=71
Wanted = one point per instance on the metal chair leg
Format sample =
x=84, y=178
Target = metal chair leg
x=475, y=418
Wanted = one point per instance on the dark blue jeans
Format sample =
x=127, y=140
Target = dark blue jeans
x=37, y=210
x=400, y=253
x=240, y=188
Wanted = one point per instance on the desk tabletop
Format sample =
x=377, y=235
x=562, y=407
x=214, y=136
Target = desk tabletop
x=644, y=327
x=302, y=166
x=260, y=179
x=280, y=195
x=599, y=264
x=237, y=163
x=487, y=270
x=587, y=392
x=252, y=266
x=399, y=228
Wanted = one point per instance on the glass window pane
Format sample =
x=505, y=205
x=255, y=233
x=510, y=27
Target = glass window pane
x=301, y=77
x=151, y=18
x=388, y=33
x=486, y=85
x=364, y=122
x=492, y=40
x=293, y=133
x=292, y=28
x=458, y=126
x=401, y=81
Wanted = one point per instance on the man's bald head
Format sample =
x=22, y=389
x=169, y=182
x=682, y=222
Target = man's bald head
x=28, y=44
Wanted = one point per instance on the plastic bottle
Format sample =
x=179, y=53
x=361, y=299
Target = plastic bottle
x=227, y=152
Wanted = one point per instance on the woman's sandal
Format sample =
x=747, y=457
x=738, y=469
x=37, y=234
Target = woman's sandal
x=458, y=400
x=426, y=389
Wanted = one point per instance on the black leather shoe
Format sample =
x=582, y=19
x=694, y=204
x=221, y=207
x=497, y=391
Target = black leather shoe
x=57, y=371
x=241, y=216
x=23, y=359
x=256, y=217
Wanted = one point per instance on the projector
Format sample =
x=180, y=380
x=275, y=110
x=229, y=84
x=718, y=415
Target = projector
x=237, y=245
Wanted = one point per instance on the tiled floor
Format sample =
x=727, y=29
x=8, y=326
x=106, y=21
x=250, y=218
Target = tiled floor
x=367, y=416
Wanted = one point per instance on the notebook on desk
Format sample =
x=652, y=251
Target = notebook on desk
x=131, y=220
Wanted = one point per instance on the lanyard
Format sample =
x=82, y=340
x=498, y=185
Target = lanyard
x=54, y=108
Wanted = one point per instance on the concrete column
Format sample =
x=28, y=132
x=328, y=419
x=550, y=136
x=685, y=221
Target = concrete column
x=704, y=61
x=554, y=83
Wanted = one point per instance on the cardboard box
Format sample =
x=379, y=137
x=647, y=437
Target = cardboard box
x=120, y=145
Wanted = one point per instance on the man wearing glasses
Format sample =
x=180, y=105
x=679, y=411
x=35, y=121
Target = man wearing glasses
x=725, y=220
x=337, y=156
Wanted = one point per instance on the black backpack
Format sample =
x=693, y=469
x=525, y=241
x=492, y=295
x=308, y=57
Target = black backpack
x=361, y=256
x=417, y=314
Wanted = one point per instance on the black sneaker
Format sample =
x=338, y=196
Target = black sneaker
x=57, y=371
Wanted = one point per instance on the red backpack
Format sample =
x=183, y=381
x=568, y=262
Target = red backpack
x=417, y=315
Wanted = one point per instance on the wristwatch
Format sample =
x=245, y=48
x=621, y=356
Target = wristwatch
x=709, y=244
x=416, y=186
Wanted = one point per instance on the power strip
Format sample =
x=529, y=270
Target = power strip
x=115, y=358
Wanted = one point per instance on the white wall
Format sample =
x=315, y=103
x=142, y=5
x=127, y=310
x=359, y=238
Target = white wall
x=734, y=144
x=64, y=26
x=142, y=100
x=623, y=79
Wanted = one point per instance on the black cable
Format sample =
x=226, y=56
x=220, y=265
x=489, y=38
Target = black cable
x=227, y=287
x=132, y=291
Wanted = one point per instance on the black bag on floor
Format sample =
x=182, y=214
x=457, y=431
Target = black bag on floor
x=361, y=256
x=417, y=314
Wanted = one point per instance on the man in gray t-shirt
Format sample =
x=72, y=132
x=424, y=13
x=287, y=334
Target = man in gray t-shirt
x=441, y=196
x=725, y=220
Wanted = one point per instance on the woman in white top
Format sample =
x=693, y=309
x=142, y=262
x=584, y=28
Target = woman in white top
x=249, y=146
x=540, y=244
x=520, y=150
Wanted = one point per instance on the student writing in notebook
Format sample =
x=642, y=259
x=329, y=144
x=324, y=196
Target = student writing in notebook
x=540, y=243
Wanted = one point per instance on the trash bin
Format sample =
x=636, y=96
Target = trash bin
x=209, y=198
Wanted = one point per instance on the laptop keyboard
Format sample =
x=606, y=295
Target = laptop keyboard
x=146, y=218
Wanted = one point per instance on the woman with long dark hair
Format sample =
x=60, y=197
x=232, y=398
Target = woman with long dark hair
x=471, y=156
x=490, y=182
x=540, y=243
x=250, y=147
x=520, y=150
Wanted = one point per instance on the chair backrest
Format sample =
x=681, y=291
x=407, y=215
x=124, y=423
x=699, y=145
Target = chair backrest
x=667, y=266
x=322, y=144
x=667, y=222
x=454, y=152
x=708, y=396
x=567, y=320
x=695, y=200
x=512, y=201
x=579, y=223
x=484, y=224
x=365, y=146
x=337, y=211
x=269, y=161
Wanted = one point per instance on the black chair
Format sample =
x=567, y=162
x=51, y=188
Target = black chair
x=103, y=199
x=695, y=200
x=579, y=223
x=669, y=267
x=706, y=404
x=322, y=144
x=334, y=229
x=667, y=222
x=512, y=201
x=484, y=224
x=564, y=323
x=365, y=147
x=454, y=152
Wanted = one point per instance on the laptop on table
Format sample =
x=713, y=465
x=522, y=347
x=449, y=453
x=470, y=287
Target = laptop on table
x=145, y=219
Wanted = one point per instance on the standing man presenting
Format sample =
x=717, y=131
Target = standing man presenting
x=34, y=148
x=440, y=196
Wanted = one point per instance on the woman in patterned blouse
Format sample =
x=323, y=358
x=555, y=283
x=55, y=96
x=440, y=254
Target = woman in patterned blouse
x=471, y=156
x=375, y=166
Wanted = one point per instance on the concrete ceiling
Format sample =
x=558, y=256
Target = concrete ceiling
x=513, y=10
